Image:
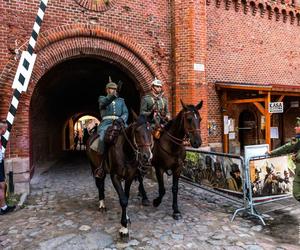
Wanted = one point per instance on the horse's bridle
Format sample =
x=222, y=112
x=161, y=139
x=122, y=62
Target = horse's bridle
x=135, y=146
x=187, y=131
x=190, y=130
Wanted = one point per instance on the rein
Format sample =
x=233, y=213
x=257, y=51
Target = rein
x=178, y=141
x=135, y=148
x=174, y=139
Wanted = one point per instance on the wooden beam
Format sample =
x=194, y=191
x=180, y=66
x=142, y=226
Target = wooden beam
x=242, y=87
x=260, y=108
x=225, y=112
x=280, y=98
x=246, y=100
x=282, y=93
x=268, y=120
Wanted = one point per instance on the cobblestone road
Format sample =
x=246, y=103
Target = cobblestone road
x=61, y=213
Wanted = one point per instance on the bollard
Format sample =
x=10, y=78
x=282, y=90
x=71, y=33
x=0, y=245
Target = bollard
x=11, y=186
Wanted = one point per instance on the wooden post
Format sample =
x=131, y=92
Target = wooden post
x=268, y=119
x=225, y=112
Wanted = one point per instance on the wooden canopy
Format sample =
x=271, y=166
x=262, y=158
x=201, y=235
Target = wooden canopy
x=265, y=92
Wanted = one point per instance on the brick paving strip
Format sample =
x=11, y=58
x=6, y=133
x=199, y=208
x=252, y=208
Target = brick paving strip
x=61, y=213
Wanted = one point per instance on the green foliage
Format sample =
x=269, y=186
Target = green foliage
x=192, y=156
x=12, y=199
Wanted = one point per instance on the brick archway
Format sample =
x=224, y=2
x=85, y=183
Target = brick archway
x=79, y=40
x=61, y=44
x=81, y=47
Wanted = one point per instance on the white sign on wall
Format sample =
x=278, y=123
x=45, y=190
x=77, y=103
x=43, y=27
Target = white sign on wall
x=226, y=124
x=198, y=67
x=276, y=107
x=274, y=133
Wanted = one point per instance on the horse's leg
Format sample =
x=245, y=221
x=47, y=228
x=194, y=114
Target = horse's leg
x=176, y=213
x=123, y=202
x=100, y=185
x=128, y=183
x=127, y=187
x=142, y=191
x=161, y=188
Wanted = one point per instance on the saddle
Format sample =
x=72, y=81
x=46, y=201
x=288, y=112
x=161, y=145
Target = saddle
x=159, y=125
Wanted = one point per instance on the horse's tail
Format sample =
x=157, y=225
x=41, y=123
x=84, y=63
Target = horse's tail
x=92, y=154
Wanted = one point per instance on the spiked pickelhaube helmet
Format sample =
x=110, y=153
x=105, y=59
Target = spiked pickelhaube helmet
x=111, y=84
x=157, y=82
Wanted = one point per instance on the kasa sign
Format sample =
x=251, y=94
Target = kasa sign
x=276, y=107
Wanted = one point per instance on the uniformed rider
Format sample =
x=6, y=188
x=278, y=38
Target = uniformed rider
x=292, y=147
x=112, y=108
x=157, y=102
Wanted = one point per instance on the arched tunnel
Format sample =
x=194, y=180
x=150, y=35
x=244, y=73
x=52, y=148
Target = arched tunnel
x=68, y=91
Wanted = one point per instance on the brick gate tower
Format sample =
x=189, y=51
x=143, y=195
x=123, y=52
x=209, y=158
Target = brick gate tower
x=238, y=56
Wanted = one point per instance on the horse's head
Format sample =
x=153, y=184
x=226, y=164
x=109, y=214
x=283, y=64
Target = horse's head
x=142, y=138
x=191, y=123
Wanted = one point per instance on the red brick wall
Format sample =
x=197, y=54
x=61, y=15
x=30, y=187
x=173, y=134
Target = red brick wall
x=247, y=44
x=139, y=31
x=236, y=42
x=189, y=26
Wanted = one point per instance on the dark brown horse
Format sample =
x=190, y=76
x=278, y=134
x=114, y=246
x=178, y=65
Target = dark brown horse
x=169, y=151
x=126, y=159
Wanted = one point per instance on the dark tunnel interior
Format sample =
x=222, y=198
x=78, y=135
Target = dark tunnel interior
x=67, y=90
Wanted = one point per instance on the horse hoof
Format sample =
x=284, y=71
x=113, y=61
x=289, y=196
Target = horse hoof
x=123, y=236
x=102, y=209
x=146, y=202
x=156, y=202
x=124, y=232
x=177, y=216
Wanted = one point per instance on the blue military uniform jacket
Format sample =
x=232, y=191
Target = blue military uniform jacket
x=111, y=108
